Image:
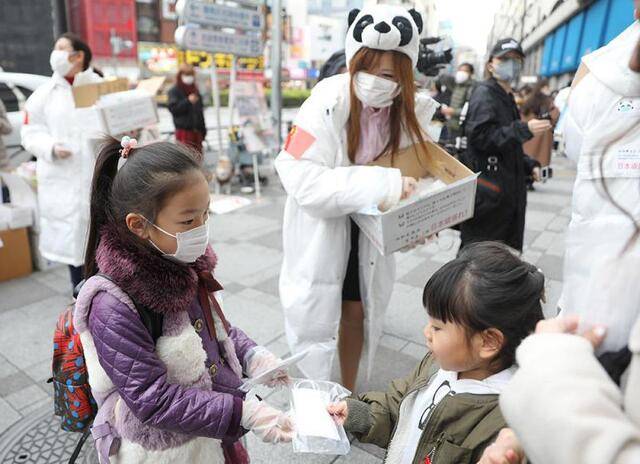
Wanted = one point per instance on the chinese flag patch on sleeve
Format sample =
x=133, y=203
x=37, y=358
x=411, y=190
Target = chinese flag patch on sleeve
x=298, y=141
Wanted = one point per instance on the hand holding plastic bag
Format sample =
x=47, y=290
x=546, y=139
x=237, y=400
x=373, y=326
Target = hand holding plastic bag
x=270, y=424
x=262, y=360
x=316, y=431
x=339, y=412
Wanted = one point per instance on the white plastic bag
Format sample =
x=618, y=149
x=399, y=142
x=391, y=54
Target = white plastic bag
x=316, y=432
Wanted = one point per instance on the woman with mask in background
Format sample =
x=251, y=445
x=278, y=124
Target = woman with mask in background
x=54, y=134
x=495, y=135
x=334, y=282
x=185, y=105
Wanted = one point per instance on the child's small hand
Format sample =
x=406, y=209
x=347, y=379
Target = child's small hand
x=339, y=412
x=505, y=450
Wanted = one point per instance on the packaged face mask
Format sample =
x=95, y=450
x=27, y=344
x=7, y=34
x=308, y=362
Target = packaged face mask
x=316, y=431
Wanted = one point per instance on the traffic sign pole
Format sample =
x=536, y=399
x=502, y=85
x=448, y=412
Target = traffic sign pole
x=276, y=68
x=215, y=90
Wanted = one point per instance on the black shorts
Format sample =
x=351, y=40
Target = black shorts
x=351, y=284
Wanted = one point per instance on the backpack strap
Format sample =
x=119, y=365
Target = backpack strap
x=151, y=319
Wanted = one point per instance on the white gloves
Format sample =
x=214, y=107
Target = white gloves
x=270, y=424
x=260, y=360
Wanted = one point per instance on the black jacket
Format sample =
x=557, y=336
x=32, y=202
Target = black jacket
x=495, y=135
x=186, y=115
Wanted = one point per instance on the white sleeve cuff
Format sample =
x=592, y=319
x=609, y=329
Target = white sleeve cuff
x=395, y=190
x=556, y=348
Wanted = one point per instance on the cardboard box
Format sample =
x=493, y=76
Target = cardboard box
x=126, y=111
x=110, y=107
x=15, y=254
x=87, y=95
x=422, y=216
x=15, y=217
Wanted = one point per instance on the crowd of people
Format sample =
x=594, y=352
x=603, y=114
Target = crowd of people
x=499, y=384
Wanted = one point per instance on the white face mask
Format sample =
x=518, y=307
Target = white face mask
x=191, y=244
x=462, y=77
x=375, y=91
x=188, y=80
x=59, y=61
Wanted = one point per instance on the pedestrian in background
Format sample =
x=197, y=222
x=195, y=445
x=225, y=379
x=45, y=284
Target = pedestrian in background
x=56, y=137
x=464, y=85
x=5, y=129
x=495, y=134
x=540, y=105
x=185, y=105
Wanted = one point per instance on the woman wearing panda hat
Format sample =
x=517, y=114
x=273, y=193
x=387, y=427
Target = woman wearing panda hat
x=333, y=281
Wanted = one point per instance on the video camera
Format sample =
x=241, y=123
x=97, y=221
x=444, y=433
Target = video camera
x=431, y=62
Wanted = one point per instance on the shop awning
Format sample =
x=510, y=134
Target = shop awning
x=620, y=17
x=558, y=48
x=546, y=55
x=594, y=23
x=570, y=57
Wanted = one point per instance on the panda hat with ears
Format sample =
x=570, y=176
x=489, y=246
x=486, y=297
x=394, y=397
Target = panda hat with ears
x=384, y=27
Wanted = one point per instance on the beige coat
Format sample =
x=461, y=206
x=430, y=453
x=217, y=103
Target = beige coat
x=565, y=409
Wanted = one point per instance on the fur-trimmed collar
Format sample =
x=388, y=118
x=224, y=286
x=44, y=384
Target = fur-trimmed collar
x=158, y=283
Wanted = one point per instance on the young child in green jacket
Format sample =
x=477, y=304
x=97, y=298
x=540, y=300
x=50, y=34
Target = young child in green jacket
x=481, y=306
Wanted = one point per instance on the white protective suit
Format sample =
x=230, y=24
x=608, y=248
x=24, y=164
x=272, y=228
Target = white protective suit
x=64, y=185
x=323, y=189
x=603, y=123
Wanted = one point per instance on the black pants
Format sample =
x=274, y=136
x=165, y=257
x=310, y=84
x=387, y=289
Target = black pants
x=77, y=274
x=351, y=285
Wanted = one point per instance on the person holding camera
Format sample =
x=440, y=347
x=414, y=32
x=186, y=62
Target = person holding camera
x=495, y=134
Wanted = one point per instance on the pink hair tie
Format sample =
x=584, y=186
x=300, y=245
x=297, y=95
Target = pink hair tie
x=127, y=143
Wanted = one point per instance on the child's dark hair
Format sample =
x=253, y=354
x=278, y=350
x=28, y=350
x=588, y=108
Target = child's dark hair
x=147, y=178
x=488, y=286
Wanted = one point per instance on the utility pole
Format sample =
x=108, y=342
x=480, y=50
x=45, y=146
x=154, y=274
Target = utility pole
x=523, y=19
x=276, y=68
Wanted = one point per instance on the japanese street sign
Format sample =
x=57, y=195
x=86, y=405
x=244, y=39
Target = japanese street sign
x=213, y=41
x=209, y=14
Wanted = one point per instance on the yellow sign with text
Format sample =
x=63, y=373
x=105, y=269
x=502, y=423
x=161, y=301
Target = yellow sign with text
x=222, y=60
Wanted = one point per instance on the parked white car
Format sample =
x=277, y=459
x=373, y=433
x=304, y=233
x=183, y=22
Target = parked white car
x=15, y=88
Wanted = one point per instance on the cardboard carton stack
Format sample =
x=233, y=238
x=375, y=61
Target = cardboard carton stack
x=15, y=251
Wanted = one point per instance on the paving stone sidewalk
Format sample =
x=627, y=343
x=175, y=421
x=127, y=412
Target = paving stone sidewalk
x=248, y=243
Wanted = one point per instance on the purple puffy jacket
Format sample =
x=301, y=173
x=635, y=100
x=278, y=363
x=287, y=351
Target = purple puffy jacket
x=177, y=399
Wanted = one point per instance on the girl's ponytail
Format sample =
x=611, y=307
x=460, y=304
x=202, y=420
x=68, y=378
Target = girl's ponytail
x=100, y=211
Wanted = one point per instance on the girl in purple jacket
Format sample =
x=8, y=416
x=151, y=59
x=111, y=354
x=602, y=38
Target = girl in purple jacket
x=175, y=398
